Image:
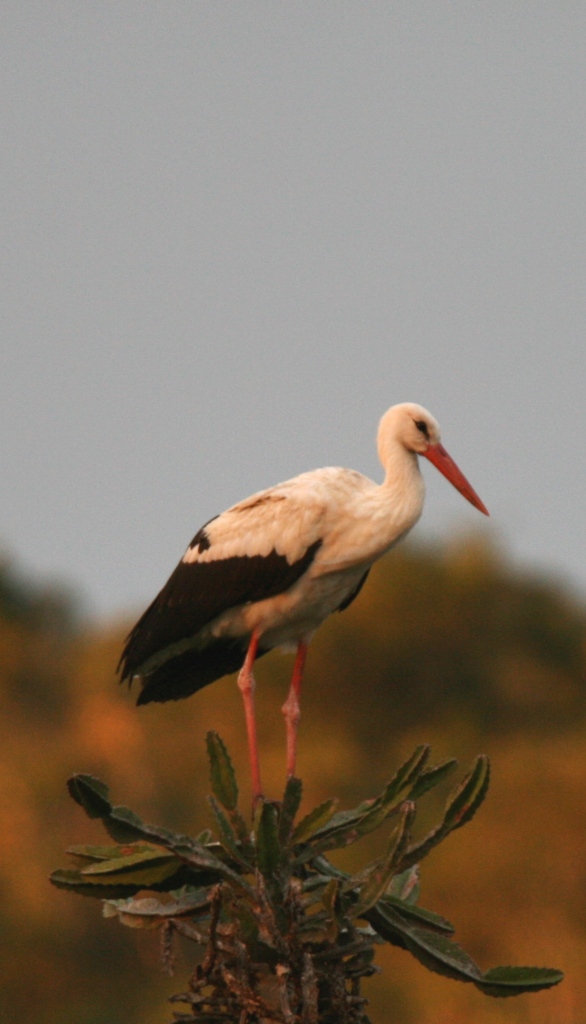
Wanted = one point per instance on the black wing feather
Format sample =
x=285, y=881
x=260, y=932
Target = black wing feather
x=197, y=592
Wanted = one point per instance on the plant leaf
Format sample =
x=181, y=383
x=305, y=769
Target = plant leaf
x=418, y=851
x=183, y=902
x=369, y=814
x=289, y=808
x=91, y=794
x=314, y=821
x=329, y=899
x=239, y=825
x=329, y=894
x=84, y=855
x=125, y=826
x=127, y=857
x=441, y=954
x=381, y=874
x=72, y=881
x=144, y=867
x=426, y=918
x=346, y=827
x=228, y=838
x=405, y=885
x=267, y=839
x=431, y=777
x=467, y=797
x=387, y=903
x=512, y=981
x=461, y=806
x=143, y=876
x=408, y=773
x=432, y=948
x=223, y=776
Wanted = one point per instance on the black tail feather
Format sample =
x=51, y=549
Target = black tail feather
x=191, y=671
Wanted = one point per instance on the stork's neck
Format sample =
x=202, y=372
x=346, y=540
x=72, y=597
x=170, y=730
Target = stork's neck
x=403, y=489
x=368, y=519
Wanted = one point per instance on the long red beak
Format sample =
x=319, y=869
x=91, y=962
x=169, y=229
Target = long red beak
x=438, y=455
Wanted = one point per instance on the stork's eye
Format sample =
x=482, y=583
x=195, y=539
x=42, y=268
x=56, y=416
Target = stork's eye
x=422, y=426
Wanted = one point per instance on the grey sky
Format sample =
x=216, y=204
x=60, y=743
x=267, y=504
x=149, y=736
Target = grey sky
x=235, y=233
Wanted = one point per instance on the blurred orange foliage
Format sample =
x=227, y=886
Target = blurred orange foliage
x=450, y=647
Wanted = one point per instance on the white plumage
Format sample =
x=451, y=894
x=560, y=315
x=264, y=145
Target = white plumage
x=338, y=509
x=269, y=570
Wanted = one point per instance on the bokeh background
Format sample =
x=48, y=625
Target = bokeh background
x=233, y=235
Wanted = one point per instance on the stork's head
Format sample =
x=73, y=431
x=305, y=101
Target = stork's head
x=412, y=425
x=416, y=430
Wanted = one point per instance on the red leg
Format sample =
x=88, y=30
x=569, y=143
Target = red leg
x=291, y=709
x=246, y=685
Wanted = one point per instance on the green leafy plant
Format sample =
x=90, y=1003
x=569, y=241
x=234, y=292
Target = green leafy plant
x=283, y=934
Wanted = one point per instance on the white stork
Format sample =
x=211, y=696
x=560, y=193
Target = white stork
x=268, y=571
